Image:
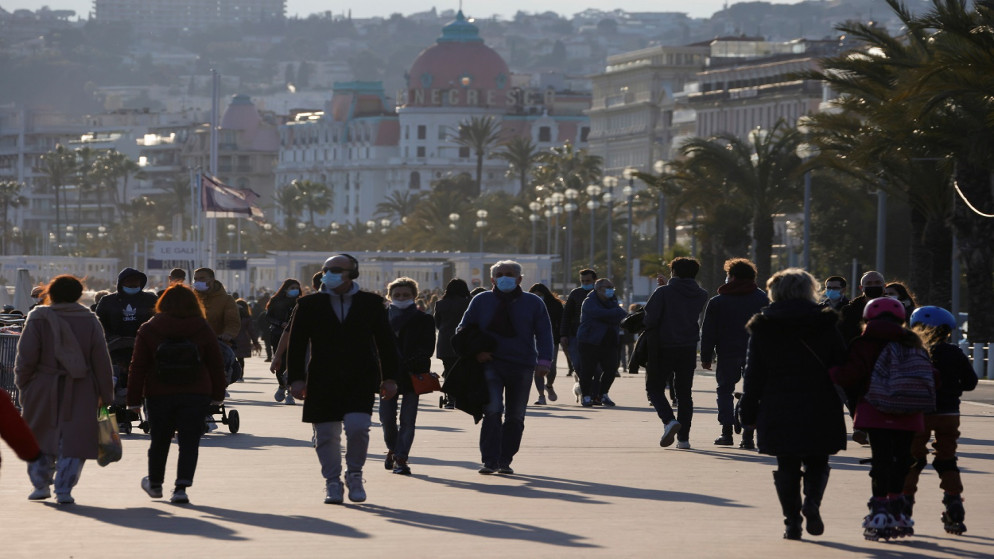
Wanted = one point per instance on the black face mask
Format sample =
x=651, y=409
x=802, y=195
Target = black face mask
x=873, y=291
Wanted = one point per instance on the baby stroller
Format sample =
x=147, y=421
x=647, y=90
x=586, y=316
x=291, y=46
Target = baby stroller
x=231, y=371
x=120, y=357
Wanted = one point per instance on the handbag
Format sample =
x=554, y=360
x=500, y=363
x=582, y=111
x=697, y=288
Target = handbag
x=108, y=440
x=425, y=383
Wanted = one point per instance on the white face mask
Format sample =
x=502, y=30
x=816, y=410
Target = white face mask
x=200, y=285
x=402, y=304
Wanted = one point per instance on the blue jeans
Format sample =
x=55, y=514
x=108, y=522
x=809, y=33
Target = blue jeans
x=399, y=441
x=574, y=354
x=727, y=372
x=600, y=362
x=504, y=416
x=182, y=414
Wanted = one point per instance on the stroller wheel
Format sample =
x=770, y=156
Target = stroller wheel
x=233, y=421
x=441, y=402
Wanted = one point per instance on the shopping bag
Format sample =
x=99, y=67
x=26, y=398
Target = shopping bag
x=425, y=383
x=108, y=441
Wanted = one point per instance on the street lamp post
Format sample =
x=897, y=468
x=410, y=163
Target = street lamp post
x=481, y=222
x=629, y=192
x=534, y=206
x=593, y=191
x=806, y=151
x=570, y=207
x=660, y=168
x=609, y=184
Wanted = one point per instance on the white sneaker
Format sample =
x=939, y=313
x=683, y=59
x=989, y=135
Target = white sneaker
x=551, y=392
x=40, y=494
x=683, y=445
x=153, y=492
x=64, y=499
x=356, y=492
x=669, y=433
x=334, y=493
x=289, y=401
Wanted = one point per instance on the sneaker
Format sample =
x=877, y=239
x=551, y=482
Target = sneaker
x=587, y=402
x=551, y=392
x=724, y=440
x=40, y=494
x=450, y=406
x=683, y=445
x=540, y=401
x=860, y=437
x=747, y=444
x=211, y=425
x=64, y=499
x=179, y=496
x=505, y=471
x=280, y=394
x=597, y=401
x=487, y=470
x=607, y=401
x=356, y=492
x=153, y=492
x=669, y=433
x=388, y=461
x=289, y=401
x=334, y=493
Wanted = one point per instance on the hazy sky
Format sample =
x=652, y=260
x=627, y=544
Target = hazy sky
x=472, y=8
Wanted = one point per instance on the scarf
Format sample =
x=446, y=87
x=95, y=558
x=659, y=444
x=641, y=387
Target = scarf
x=501, y=324
x=738, y=287
x=399, y=317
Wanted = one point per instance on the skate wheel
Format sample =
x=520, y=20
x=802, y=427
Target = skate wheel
x=233, y=421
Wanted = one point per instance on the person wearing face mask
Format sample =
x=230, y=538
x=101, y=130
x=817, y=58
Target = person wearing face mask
x=222, y=312
x=899, y=291
x=122, y=312
x=415, y=332
x=598, y=335
x=835, y=293
x=520, y=325
x=37, y=296
x=872, y=285
x=341, y=352
x=571, y=318
x=278, y=312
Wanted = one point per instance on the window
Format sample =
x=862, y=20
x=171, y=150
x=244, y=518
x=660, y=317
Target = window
x=415, y=181
x=441, y=133
x=422, y=131
x=463, y=152
x=421, y=151
x=544, y=134
x=584, y=132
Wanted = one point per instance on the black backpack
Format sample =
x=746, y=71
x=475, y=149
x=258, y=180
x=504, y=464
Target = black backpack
x=177, y=361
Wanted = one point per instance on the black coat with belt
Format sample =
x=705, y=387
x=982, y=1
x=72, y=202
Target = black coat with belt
x=465, y=382
x=347, y=360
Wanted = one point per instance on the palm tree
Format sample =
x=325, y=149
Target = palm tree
x=289, y=202
x=59, y=166
x=174, y=199
x=398, y=206
x=10, y=197
x=521, y=156
x=85, y=158
x=763, y=171
x=315, y=197
x=478, y=134
x=118, y=167
x=564, y=167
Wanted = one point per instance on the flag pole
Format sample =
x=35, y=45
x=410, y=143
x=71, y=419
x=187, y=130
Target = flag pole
x=215, y=109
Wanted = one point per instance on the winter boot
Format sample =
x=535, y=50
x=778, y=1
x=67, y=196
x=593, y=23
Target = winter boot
x=814, y=488
x=900, y=509
x=952, y=518
x=726, y=436
x=747, y=442
x=788, y=486
x=879, y=524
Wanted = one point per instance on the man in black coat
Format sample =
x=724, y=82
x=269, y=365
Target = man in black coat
x=353, y=355
x=872, y=285
x=724, y=333
x=122, y=312
x=570, y=322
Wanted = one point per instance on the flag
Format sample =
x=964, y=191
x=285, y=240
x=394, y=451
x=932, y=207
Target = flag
x=220, y=200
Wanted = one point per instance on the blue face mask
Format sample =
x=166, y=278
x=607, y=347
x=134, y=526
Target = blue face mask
x=292, y=292
x=833, y=294
x=609, y=292
x=331, y=281
x=587, y=286
x=506, y=284
x=131, y=290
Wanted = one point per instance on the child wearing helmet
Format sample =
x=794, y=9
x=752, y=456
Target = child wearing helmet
x=934, y=325
x=890, y=434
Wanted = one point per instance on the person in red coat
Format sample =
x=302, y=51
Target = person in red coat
x=15, y=432
x=175, y=408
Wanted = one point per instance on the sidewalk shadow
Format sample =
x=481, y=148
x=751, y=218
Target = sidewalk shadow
x=300, y=524
x=543, y=487
x=488, y=528
x=901, y=548
x=248, y=441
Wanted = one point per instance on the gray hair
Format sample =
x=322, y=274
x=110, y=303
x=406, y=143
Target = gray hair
x=792, y=283
x=505, y=264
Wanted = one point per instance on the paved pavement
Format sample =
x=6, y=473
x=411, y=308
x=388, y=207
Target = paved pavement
x=590, y=482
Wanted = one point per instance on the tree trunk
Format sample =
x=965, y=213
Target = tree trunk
x=479, y=174
x=938, y=242
x=975, y=234
x=762, y=233
x=920, y=273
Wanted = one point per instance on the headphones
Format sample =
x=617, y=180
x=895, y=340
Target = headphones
x=354, y=273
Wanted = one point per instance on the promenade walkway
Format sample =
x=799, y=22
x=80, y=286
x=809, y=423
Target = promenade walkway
x=590, y=482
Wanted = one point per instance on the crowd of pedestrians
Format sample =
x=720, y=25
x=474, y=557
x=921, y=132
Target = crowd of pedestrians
x=805, y=353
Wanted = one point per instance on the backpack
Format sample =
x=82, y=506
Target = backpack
x=902, y=381
x=177, y=361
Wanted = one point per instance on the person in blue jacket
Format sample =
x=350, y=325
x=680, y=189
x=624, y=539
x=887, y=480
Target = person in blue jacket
x=520, y=324
x=598, y=336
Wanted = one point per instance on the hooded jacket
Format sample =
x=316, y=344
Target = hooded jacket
x=671, y=313
x=222, y=312
x=600, y=320
x=725, y=319
x=121, y=314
